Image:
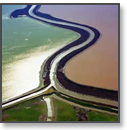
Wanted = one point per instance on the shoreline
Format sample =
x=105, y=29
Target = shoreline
x=39, y=87
x=89, y=35
x=69, y=68
x=71, y=79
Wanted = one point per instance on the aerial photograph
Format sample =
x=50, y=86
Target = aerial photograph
x=60, y=63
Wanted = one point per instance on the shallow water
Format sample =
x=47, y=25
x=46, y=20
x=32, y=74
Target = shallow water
x=26, y=43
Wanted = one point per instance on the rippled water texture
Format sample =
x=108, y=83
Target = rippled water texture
x=26, y=43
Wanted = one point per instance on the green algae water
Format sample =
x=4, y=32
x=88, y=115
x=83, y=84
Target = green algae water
x=26, y=43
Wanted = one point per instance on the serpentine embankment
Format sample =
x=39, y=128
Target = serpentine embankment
x=53, y=75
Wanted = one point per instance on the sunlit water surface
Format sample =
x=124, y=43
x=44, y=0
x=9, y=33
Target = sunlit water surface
x=26, y=43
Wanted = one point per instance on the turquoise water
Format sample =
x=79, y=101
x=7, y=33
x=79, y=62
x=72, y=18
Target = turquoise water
x=7, y=9
x=22, y=39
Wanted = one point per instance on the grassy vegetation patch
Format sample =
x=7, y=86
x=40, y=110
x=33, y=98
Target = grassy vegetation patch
x=32, y=110
x=65, y=112
x=83, y=103
x=98, y=116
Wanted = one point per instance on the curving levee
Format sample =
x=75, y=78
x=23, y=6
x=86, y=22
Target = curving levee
x=53, y=69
